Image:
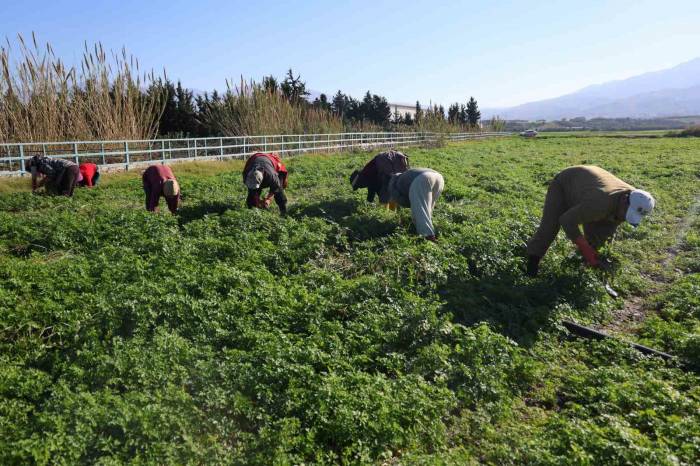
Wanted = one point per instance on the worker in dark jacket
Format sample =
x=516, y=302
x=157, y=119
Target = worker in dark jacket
x=90, y=174
x=419, y=189
x=589, y=196
x=265, y=171
x=59, y=176
x=375, y=175
x=159, y=180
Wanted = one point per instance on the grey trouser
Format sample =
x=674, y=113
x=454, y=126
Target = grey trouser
x=424, y=192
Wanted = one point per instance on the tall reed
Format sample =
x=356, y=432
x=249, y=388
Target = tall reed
x=42, y=99
x=249, y=109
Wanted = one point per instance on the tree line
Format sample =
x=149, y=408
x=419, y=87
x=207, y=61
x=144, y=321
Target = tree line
x=186, y=114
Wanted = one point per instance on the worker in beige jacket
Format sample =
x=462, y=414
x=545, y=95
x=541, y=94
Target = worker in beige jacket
x=589, y=196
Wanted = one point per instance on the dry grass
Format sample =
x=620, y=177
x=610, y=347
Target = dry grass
x=250, y=109
x=42, y=99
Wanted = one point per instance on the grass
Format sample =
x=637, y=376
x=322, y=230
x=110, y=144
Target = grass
x=250, y=109
x=223, y=335
x=42, y=99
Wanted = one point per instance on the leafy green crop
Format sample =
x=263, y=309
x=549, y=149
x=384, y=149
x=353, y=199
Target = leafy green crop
x=231, y=336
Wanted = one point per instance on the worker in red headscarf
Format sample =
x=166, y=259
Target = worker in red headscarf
x=90, y=173
x=265, y=171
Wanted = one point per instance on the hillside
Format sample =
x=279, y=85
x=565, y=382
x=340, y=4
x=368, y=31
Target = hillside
x=671, y=92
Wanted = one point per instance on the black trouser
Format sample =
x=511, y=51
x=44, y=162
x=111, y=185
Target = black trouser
x=70, y=175
x=64, y=183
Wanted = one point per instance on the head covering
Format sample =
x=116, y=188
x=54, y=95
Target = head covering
x=171, y=188
x=641, y=204
x=254, y=179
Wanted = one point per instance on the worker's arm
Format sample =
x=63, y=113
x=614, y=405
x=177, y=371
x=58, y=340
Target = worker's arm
x=598, y=233
x=253, y=199
x=371, y=193
x=152, y=197
x=581, y=214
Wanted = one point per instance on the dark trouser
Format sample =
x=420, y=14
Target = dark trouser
x=554, y=207
x=70, y=175
x=281, y=201
x=64, y=183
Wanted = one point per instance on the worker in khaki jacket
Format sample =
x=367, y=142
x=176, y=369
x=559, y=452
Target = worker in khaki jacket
x=419, y=189
x=589, y=196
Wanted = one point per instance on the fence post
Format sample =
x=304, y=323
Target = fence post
x=265, y=144
x=21, y=159
x=126, y=153
x=75, y=153
x=300, y=143
x=162, y=151
x=102, y=153
x=221, y=148
x=195, y=148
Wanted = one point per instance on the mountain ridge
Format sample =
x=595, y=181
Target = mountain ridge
x=671, y=91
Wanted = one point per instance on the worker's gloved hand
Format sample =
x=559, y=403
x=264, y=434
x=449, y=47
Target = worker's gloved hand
x=266, y=203
x=587, y=251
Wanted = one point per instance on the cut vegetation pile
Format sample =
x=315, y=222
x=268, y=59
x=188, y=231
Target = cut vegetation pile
x=229, y=336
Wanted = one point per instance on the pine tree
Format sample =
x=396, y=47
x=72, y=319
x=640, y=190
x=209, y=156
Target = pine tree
x=270, y=84
x=293, y=88
x=453, y=115
x=473, y=113
x=321, y=102
x=367, y=108
x=339, y=104
x=397, y=117
x=381, y=110
x=419, y=113
x=168, y=120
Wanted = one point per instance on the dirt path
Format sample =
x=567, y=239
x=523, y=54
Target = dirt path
x=635, y=309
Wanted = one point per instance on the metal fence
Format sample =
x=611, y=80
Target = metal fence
x=127, y=154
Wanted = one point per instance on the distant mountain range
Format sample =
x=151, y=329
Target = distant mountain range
x=670, y=92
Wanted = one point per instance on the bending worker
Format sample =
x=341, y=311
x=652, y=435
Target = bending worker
x=265, y=171
x=59, y=176
x=159, y=180
x=419, y=189
x=589, y=196
x=90, y=174
x=375, y=175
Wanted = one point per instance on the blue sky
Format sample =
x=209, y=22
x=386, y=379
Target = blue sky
x=503, y=53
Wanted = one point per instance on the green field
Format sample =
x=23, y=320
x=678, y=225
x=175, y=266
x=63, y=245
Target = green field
x=229, y=336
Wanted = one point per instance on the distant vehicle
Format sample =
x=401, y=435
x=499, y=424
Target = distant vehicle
x=530, y=133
